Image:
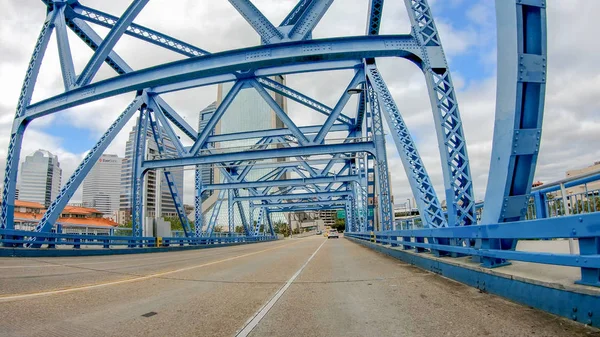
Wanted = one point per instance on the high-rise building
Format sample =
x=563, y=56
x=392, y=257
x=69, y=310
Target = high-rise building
x=247, y=112
x=157, y=195
x=40, y=178
x=207, y=173
x=102, y=186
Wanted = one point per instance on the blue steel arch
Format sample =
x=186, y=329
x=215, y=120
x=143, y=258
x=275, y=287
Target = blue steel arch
x=286, y=49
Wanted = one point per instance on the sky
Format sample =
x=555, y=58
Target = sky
x=467, y=29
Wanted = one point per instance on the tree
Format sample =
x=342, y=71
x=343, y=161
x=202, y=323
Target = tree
x=281, y=227
x=239, y=229
x=218, y=229
x=339, y=225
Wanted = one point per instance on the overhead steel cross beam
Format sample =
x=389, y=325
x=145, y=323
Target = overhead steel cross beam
x=278, y=197
x=160, y=39
x=110, y=41
x=261, y=154
x=228, y=62
x=282, y=182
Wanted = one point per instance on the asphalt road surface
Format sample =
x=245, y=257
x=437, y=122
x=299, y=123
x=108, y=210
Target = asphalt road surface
x=299, y=287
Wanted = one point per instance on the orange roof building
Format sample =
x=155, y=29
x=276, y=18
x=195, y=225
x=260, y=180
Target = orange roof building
x=29, y=212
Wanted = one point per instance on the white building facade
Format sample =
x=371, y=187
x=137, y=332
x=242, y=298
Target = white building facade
x=40, y=178
x=102, y=186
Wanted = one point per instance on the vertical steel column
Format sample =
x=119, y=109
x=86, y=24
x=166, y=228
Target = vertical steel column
x=386, y=216
x=230, y=214
x=16, y=137
x=460, y=200
x=177, y=198
x=137, y=188
x=198, y=216
x=520, y=99
x=370, y=174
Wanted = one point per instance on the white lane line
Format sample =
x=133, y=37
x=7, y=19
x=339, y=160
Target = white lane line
x=253, y=322
x=140, y=278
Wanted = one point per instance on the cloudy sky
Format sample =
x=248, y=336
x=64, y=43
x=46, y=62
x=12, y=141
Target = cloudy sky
x=467, y=29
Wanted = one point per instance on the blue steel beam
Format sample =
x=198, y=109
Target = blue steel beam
x=374, y=20
x=301, y=204
x=429, y=206
x=16, y=137
x=137, y=174
x=158, y=112
x=110, y=41
x=309, y=18
x=295, y=13
x=305, y=208
x=337, y=110
x=283, y=182
x=262, y=154
x=216, y=116
x=215, y=213
x=271, y=133
x=198, y=215
x=518, y=122
x=258, y=21
x=519, y=109
x=302, y=99
x=177, y=198
x=137, y=31
x=386, y=212
x=67, y=191
x=460, y=200
x=64, y=50
x=278, y=197
x=283, y=116
x=236, y=194
x=93, y=40
x=349, y=48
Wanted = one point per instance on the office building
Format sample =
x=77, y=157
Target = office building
x=206, y=171
x=40, y=178
x=157, y=197
x=247, y=112
x=102, y=186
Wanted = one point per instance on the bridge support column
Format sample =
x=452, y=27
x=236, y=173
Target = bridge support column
x=589, y=246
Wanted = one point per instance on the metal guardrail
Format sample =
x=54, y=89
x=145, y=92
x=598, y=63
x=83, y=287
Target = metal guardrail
x=482, y=241
x=20, y=238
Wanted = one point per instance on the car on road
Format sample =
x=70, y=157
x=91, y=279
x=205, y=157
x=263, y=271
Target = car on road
x=333, y=234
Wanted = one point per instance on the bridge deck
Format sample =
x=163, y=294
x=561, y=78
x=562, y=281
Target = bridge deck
x=344, y=290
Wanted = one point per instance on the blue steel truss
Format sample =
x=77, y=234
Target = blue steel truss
x=306, y=169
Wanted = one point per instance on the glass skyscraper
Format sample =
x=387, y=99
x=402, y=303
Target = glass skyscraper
x=247, y=112
x=40, y=178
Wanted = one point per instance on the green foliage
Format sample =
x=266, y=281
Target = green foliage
x=339, y=225
x=281, y=227
x=218, y=229
x=239, y=229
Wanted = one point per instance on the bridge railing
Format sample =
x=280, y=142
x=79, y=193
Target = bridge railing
x=485, y=242
x=20, y=238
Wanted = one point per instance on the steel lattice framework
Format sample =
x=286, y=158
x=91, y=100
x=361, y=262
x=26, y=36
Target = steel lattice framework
x=317, y=173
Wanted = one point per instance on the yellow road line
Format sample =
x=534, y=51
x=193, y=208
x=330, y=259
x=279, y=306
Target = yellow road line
x=135, y=279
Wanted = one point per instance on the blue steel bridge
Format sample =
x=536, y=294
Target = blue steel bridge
x=508, y=247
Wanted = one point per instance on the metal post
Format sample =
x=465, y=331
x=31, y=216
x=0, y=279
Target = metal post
x=567, y=212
